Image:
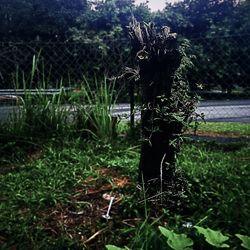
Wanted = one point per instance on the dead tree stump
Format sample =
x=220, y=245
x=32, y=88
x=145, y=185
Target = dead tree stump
x=166, y=105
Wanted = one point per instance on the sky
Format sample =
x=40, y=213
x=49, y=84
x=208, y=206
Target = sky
x=155, y=4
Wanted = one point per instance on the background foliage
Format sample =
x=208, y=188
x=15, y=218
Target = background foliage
x=218, y=31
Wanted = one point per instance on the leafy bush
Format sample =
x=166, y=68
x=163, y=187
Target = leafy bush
x=183, y=242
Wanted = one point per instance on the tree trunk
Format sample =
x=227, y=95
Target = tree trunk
x=166, y=104
x=157, y=161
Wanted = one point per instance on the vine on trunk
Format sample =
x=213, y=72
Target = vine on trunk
x=167, y=106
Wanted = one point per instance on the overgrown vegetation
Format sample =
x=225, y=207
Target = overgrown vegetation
x=54, y=186
x=52, y=195
x=85, y=112
x=63, y=157
x=68, y=172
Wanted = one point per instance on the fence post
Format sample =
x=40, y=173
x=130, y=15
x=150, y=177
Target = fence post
x=132, y=106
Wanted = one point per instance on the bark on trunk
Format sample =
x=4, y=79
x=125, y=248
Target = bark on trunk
x=157, y=162
x=167, y=108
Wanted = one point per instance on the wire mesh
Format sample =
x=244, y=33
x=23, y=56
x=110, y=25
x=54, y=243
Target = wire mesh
x=222, y=72
x=221, y=68
x=221, y=63
x=59, y=62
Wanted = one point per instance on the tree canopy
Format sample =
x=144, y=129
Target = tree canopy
x=54, y=19
x=25, y=20
x=215, y=28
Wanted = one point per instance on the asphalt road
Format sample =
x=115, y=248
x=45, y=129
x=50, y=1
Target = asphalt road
x=226, y=111
x=216, y=111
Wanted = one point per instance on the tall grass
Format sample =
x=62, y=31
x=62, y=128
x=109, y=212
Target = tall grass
x=37, y=114
x=94, y=116
x=44, y=115
x=86, y=112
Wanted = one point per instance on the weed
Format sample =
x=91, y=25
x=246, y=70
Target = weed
x=94, y=115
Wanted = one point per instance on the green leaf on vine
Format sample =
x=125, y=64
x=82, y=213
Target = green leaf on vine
x=214, y=238
x=177, y=241
x=245, y=240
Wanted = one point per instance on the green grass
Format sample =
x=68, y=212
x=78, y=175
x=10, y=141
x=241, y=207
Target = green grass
x=240, y=129
x=42, y=182
x=30, y=187
x=53, y=176
x=218, y=175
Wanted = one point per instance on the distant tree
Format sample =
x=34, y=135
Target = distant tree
x=217, y=29
x=38, y=19
x=142, y=13
x=105, y=25
x=109, y=15
x=241, y=25
x=193, y=18
x=242, y=17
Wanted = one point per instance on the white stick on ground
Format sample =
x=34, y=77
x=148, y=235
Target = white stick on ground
x=107, y=216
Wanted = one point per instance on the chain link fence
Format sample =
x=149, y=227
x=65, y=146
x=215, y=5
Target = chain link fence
x=221, y=75
x=221, y=68
x=60, y=62
x=221, y=63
